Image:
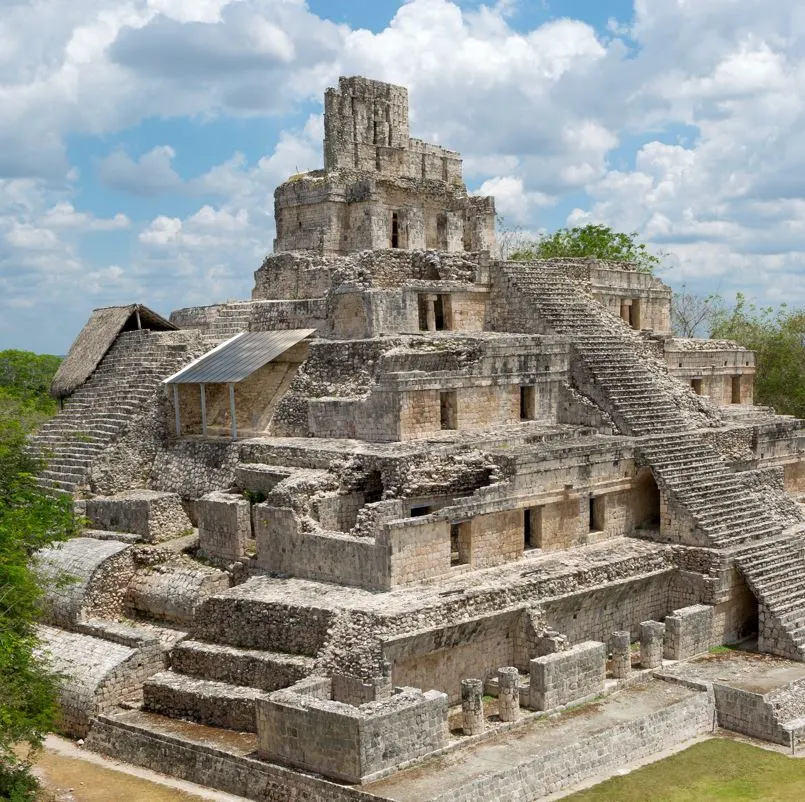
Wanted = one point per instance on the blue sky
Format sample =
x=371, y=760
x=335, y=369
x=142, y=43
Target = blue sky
x=141, y=140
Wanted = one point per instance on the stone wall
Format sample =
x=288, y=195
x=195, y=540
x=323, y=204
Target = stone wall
x=85, y=578
x=564, y=677
x=749, y=713
x=151, y=514
x=224, y=526
x=98, y=674
x=192, y=468
x=598, y=754
x=225, y=769
x=350, y=743
x=688, y=632
x=283, y=548
x=172, y=590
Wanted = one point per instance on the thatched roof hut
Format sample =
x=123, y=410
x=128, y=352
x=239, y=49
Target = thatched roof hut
x=96, y=338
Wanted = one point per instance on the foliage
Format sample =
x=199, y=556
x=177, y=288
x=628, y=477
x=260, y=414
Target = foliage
x=715, y=769
x=24, y=386
x=29, y=520
x=778, y=339
x=597, y=241
x=692, y=315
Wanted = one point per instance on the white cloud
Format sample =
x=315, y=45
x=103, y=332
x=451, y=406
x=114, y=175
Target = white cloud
x=64, y=216
x=151, y=174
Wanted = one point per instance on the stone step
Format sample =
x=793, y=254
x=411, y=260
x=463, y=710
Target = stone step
x=267, y=671
x=217, y=704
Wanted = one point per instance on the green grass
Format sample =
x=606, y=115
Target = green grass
x=719, y=769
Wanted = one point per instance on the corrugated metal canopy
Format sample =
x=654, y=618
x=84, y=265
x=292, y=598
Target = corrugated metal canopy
x=236, y=359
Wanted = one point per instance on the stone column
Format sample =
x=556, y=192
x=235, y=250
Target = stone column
x=652, y=634
x=620, y=646
x=509, y=693
x=430, y=312
x=472, y=706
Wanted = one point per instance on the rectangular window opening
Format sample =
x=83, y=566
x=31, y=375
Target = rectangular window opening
x=532, y=528
x=527, y=403
x=597, y=507
x=460, y=543
x=395, y=230
x=736, y=389
x=696, y=384
x=438, y=309
x=420, y=510
x=447, y=409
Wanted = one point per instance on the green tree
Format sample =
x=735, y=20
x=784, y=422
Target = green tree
x=597, y=241
x=778, y=339
x=29, y=520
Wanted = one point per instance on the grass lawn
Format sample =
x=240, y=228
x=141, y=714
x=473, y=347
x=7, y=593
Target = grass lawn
x=716, y=769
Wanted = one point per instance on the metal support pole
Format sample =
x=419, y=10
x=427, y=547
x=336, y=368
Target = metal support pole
x=176, y=408
x=203, y=411
x=232, y=411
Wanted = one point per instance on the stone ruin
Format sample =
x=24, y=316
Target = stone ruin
x=404, y=478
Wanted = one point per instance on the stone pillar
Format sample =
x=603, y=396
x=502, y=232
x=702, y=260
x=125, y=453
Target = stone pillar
x=620, y=646
x=430, y=312
x=509, y=693
x=652, y=635
x=472, y=706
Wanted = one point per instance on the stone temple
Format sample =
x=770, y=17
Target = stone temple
x=408, y=498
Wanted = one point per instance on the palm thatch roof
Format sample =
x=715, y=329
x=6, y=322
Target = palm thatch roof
x=96, y=338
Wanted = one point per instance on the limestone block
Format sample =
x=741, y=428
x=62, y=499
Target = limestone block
x=152, y=514
x=224, y=526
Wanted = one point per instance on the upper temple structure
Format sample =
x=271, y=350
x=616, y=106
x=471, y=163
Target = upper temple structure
x=379, y=188
x=410, y=496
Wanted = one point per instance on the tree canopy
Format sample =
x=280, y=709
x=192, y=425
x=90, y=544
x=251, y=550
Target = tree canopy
x=778, y=338
x=597, y=241
x=29, y=520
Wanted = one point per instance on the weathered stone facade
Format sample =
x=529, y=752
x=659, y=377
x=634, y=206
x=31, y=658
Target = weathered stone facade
x=471, y=478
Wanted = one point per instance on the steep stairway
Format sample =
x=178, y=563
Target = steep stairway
x=102, y=409
x=233, y=318
x=685, y=466
x=219, y=685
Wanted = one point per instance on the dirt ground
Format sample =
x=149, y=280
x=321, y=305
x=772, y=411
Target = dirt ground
x=70, y=774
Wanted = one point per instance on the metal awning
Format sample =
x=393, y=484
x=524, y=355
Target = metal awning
x=236, y=359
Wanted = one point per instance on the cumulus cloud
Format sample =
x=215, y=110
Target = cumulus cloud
x=151, y=174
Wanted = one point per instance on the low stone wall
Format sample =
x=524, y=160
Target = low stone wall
x=192, y=468
x=748, y=713
x=688, y=632
x=85, y=577
x=598, y=754
x=283, y=548
x=151, y=514
x=229, y=772
x=97, y=674
x=350, y=743
x=560, y=678
x=173, y=590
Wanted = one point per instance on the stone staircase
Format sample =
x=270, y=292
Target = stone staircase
x=687, y=469
x=233, y=318
x=101, y=410
x=219, y=685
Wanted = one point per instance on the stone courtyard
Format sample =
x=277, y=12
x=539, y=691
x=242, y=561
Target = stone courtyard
x=382, y=530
